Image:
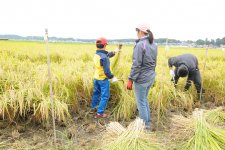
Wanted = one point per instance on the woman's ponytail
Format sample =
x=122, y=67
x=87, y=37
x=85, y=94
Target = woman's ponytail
x=150, y=36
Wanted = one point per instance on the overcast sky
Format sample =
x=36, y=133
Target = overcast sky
x=179, y=19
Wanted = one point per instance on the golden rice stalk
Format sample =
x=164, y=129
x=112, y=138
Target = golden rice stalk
x=1, y=71
x=125, y=107
x=44, y=107
x=216, y=116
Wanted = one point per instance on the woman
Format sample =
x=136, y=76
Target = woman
x=143, y=71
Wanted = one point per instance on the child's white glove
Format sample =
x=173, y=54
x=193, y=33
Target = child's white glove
x=172, y=74
x=114, y=79
x=117, y=50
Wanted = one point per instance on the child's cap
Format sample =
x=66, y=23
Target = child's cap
x=102, y=41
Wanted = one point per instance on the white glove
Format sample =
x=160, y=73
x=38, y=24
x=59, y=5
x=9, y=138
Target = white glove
x=114, y=79
x=172, y=73
x=117, y=50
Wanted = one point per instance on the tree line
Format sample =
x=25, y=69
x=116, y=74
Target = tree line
x=216, y=42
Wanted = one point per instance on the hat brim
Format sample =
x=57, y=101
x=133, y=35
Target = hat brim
x=138, y=29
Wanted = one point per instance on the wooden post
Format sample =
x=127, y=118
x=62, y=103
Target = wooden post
x=50, y=85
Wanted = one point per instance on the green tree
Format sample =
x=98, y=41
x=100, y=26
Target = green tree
x=212, y=42
x=190, y=42
x=218, y=42
x=207, y=41
x=223, y=41
x=200, y=42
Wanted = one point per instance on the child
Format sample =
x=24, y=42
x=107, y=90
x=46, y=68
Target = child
x=101, y=77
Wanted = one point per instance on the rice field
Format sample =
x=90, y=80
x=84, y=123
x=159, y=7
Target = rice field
x=24, y=85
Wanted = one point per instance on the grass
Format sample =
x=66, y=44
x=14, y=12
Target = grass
x=24, y=87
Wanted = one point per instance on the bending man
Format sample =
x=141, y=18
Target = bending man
x=186, y=65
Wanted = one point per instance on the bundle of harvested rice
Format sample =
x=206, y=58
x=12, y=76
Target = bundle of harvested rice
x=114, y=128
x=205, y=137
x=116, y=59
x=133, y=137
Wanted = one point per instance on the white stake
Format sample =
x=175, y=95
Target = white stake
x=50, y=85
x=165, y=52
x=166, y=47
x=206, y=55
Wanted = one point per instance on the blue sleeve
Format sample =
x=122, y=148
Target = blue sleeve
x=106, y=66
x=111, y=54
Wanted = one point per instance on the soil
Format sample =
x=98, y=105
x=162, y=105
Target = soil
x=82, y=132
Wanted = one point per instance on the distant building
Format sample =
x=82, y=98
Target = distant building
x=222, y=47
